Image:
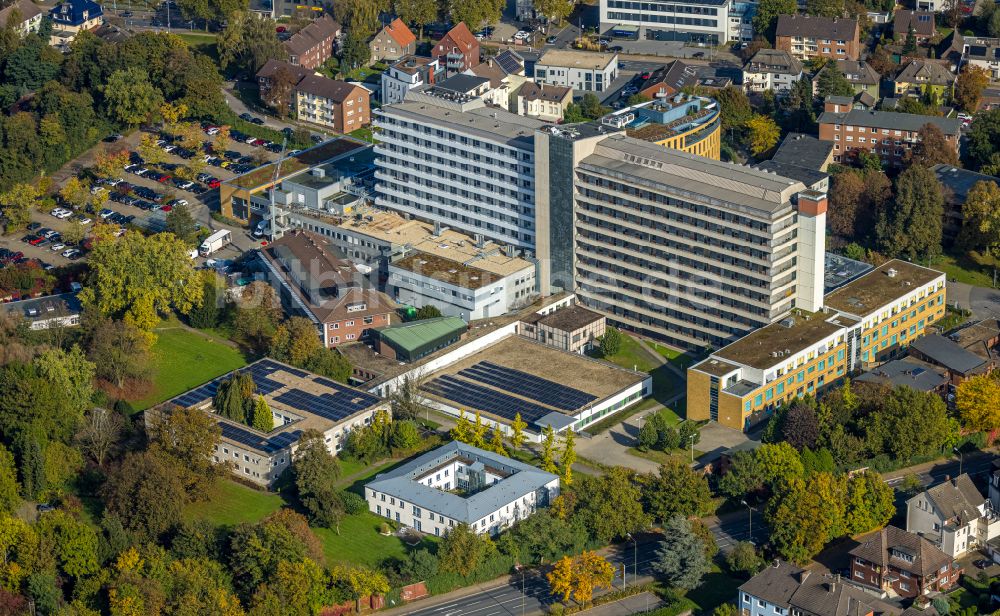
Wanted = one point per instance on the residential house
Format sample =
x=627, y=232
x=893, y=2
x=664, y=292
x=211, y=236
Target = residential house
x=573, y=328
x=29, y=16
x=668, y=80
x=71, y=17
x=460, y=484
x=458, y=50
x=902, y=564
x=581, y=70
x=979, y=51
x=325, y=287
x=960, y=363
x=406, y=74
x=954, y=515
x=782, y=589
x=299, y=400
x=862, y=77
x=886, y=133
x=506, y=74
x=392, y=42
x=771, y=69
x=276, y=82
x=342, y=106
x=804, y=158
x=957, y=183
x=542, y=101
x=920, y=23
x=806, y=36
x=313, y=45
x=923, y=78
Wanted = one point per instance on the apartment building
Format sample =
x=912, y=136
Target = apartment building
x=683, y=122
x=505, y=72
x=299, y=400
x=342, y=106
x=581, y=70
x=392, y=42
x=886, y=133
x=955, y=516
x=694, y=21
x=313, y=45
x=460, y=484
x=408, y=73
x=862, y=77
x=458, y=50
x=808, y=36
x=862, y=324
x=30, y=16
x=782, y=589
x=313, y=279
x=71, y=17
x=690, y=250
x=544, y=102
x=905, y=564
x=771, y=69
x=923, y=78
x=449, y=158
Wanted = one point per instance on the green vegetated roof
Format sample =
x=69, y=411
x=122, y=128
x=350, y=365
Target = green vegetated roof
x=413, y=336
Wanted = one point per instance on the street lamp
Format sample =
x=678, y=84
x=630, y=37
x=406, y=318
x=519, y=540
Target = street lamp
x=691, y=438
x=750, y=513
x=635, y=558
x=961, y=458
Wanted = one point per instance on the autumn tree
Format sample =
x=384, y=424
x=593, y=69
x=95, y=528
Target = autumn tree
x=145, y=493
x=568, y=456
x=100, y=434
x=137, y=278
x=295, y=341
x=517, y=431
x=801, y=425
x=763, y=134
x=932, y=148
x=680, y=559
x=257, y=314
x=76, y=193
x=187, y=438
x=496, y=442
x=555, y=10
x=462, y=550
x=316, y=473
x=548, y=461
x=16, y=204
x=912, y=228
x=579, y=577
x=120, y=352
x=805, y=514
x=610, y=506
x=676, y=490
x=978, y=402
x=981, y=219
x=561, y=578
x=111, y=164
x=420, y=12
x=130, y=96
x=478, y=431
x=263, y=418
x=846, y=189
x=870, y=503
x=970, y=85
x=476, y=13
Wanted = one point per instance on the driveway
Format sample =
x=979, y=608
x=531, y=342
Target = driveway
x=984, y=302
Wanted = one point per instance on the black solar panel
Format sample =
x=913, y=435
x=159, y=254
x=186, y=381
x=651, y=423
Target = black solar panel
x=256, y=441
x=508, y=62
x=334, y=407
x=529, y=386
x=469, y=395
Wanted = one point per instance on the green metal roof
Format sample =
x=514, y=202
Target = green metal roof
x=411, y=337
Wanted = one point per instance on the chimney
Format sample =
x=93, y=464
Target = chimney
x=803, y=576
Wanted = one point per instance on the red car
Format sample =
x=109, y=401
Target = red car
x=258, y=142
x=214, y=183
x=281, y=29
x=163, y=178
x=36, y=241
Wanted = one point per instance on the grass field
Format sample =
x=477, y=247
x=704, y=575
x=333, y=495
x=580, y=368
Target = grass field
x=717, y=587
x=359, y=542
x=632, y=356
x=184, y=359
x=679, y=359
x=205, y=43
x=235, y=503
x=966, y=269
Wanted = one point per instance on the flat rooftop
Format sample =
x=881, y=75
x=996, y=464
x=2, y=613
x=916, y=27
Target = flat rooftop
x=876, y=289
x=466, y=275
x=468, y=115
x=296, y=163
x=765, y=193
x=499, y=369
x=568, y=58
x=807, y=328
x=568, y=319
x=307, y=401
x=839, y=270
x=715, y=367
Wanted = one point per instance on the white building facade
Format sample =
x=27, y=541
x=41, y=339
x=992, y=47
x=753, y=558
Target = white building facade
x=953, y=515
x=581, y=70
x=696, y=21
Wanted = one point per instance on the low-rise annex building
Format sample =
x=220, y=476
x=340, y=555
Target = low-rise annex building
x=460, y=484
x=862, y=324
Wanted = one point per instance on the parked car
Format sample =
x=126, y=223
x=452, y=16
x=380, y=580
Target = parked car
x=204, y=177
x=34, y=225
x=183, y=184
x=57, y=247
x=982, y=563
x=258, y=121
x=84, y=220
x=273, y=147
x=113, y=138
x=246, y=117
x=551, y=40
x=105, y=213
x=213, y=183
x=175, y=203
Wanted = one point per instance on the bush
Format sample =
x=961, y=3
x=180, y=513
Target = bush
x=353, y=503
x=941, y=605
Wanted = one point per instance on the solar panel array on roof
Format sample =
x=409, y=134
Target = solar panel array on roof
x=528, y=386
x=976, y=50
x=256, y=441
x=508, y=62
x=470, y=395
x=257, y=371
x=334, y=407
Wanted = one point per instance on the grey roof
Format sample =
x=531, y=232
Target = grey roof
x=676, y=75
x=922, y=23
x=401, y=483
x=957, y=498
x=947, y=353
x=809, y=177
x=774, y=61
x=816, y=27
x=750, y=190
x=531, y=91
x=910, y=372
x=960, y=181
x=891, y=120
x=803, y=151
x=27, y=8
x=44, y=308
x=462, y=83
x=814, y=593
x=470, y=117
x=330, y=89
x=879, y=546
x=920, y=71
x=858, y=72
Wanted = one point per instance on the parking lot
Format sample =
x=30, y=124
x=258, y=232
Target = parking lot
x=144, y=200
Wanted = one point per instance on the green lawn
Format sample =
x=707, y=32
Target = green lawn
x=965, y=268
x=184, y=359
x=716, y=588
x=359, y=542
x=202, y=42
x=632, y=356
x=365, y=134
x=662, y=457
x=235, y=503
x=679, y=359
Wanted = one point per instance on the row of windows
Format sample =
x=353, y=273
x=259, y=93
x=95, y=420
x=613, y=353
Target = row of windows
x=664, y=19
x=432, y=211
x=439, y=135
x=429, y=146
x=507, y=185
x=662, y=8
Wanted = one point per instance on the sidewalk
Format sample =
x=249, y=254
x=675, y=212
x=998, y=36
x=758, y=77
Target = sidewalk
x=636, y=604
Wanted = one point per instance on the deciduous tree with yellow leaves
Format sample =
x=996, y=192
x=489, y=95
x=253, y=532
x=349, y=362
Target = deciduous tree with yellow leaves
x=978, y=402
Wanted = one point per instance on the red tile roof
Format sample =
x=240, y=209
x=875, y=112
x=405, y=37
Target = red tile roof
x=400, y=33
x=462, y=36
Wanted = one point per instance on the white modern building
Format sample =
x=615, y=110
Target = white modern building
x=406, y=74
x=460, y=484
x=954, y=515
x=583, y=71
x=695, y=21
x=472, y=284
x=448, y=158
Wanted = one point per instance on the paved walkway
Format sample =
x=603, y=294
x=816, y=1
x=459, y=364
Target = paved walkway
x=636, y=604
